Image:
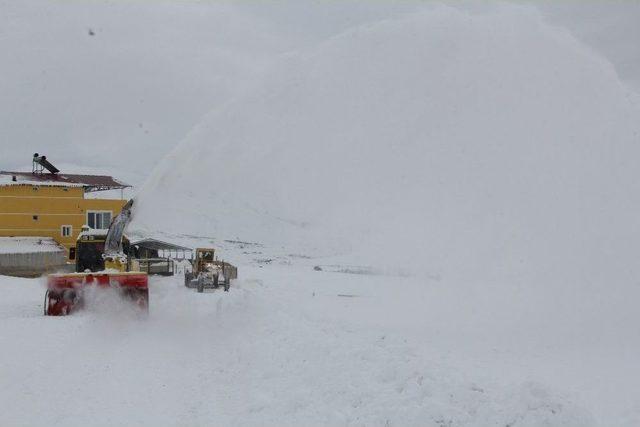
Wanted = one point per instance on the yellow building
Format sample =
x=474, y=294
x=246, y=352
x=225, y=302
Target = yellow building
x=54, y=205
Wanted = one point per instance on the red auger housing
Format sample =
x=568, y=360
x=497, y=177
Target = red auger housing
x=65, y=291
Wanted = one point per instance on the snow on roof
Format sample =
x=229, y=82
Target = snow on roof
x=156, y=244
x=89, y=182
x=23, y=245
x=6, y=179
x=94, y=232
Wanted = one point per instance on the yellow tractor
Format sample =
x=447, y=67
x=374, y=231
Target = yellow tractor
x=208, y=272
x=102, y=261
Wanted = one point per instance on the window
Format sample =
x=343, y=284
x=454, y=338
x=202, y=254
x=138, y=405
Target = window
x=99, y=220
x=35, y=217
x=66, y=230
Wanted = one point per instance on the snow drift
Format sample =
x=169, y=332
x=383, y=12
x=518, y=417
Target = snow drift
x=488, y=146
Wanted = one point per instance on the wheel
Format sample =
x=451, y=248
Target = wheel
x=200, y=285
x=46, y=303
x=188, y=277
x=215, y=281
x=58, y=304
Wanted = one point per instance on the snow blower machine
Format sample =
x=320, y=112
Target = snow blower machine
x=208, y=272
x=103, y=261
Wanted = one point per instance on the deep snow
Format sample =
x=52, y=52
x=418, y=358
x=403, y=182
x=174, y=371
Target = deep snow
x=286, y=346
x=477, y=169
x=290, y=345
x=487, y=158
x=485, y=147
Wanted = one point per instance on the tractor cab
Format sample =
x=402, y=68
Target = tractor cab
x=204, y=258
x=90, y=248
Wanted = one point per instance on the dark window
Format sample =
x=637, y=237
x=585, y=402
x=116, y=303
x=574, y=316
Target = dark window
x=35, y=217
x=89, y=256
x=99, y=220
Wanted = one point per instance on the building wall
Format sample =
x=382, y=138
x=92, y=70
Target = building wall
x=38, y=210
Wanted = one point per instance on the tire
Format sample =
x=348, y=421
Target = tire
x=187, y=279
x=200, y=285
x=215, y=281
x=46, y=303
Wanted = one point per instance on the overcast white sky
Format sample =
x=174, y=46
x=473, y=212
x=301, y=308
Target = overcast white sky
x=121, y=98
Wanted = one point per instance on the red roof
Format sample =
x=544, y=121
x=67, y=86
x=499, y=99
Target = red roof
x=89, y=182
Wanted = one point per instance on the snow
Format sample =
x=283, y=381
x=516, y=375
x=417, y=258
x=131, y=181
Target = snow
x=7, y=180
x=23, y=245
x=197, y=55
x=289, y=345
x=269, y=352
x=489, y=157
x=446, y=143
x=464, y=180
x=100, y=232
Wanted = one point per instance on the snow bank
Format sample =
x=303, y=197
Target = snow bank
x=486, y=146
x=257, y=355
x=488, y=150
x=489, y=154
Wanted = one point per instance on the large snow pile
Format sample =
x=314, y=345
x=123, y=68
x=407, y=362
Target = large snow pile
x=487, y=149
x=486, y=146
x=487, y=156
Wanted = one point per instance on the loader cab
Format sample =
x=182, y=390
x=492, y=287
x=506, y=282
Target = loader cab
x=204, y=256
x=90, y=247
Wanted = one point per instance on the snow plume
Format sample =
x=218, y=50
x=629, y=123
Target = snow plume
x=109, y=304
x=485, y=145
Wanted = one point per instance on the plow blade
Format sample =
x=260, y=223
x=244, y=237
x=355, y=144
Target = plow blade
x=65, y=291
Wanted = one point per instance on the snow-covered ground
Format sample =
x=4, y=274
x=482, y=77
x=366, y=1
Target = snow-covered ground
x=290, y=345
x=464, y=179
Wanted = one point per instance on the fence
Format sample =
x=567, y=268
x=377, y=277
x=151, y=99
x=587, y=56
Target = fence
x=32, y=264
x=161, y=266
